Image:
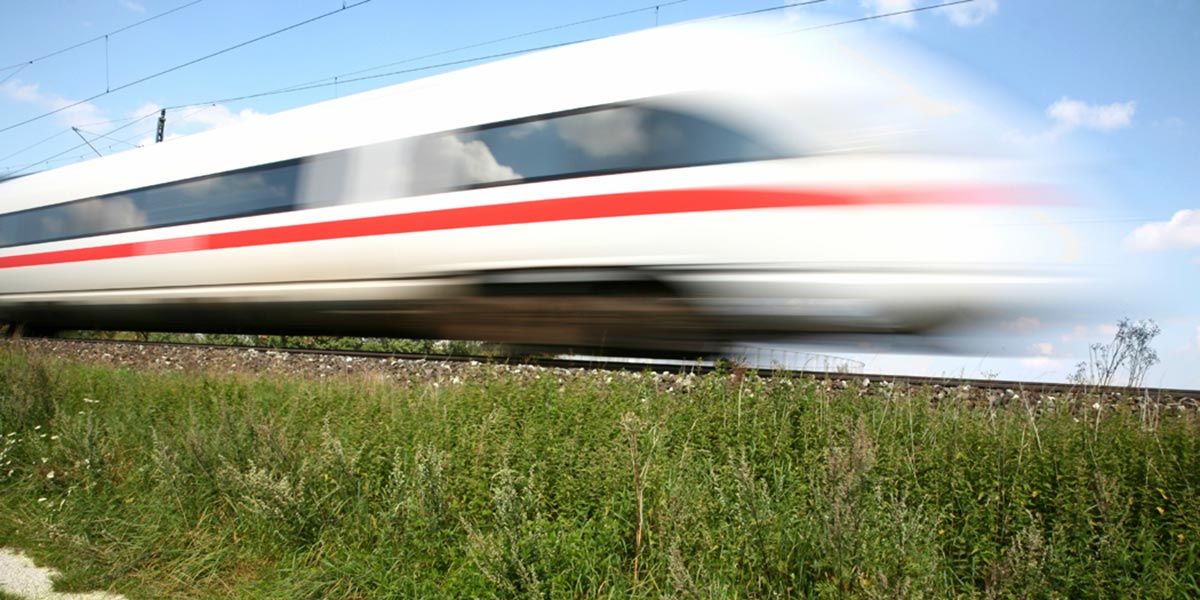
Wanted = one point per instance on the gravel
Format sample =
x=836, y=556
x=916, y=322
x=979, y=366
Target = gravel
x=273, y=363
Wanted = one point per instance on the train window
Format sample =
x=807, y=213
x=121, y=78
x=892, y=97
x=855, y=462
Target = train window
x=607, y=140
x=258, y=190
x=363, y=174
x=611, y=139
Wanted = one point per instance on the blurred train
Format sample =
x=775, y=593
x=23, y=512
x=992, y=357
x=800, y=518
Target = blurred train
x=669, y=189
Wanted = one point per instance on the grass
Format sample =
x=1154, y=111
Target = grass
x=365, y=344
x=517, y=483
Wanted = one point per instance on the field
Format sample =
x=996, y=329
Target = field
x=484, y=481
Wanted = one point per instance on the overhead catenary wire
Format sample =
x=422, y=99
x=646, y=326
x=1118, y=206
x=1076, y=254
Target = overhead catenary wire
x=342, y=80
x=882, y=15
x=388, y=74
x=337, y=78
x=14, y=73
x=106, y=136
x=10, y=171
x=13, y=172
x=768, y=9
x=186, y=64
x=341, y=76
x=324, y=83
x=34, y=145
x=85, y=140
x=31, y=61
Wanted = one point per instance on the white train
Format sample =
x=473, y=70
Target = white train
x=663, y=189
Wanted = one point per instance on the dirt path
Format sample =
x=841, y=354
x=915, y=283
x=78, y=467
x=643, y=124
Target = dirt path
x=20, y=577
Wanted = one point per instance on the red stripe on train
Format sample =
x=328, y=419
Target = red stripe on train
x=536, y=211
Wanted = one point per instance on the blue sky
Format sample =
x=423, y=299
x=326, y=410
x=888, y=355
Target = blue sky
x=1115, y=79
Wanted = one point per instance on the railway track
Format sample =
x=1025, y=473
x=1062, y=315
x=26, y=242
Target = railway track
x=1173, y=395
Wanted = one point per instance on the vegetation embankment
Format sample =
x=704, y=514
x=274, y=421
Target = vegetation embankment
x=307, y=342
x=522, y=482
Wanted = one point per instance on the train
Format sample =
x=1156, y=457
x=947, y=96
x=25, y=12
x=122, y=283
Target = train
x=670, y=189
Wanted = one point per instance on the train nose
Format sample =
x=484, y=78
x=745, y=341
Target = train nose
x=898, y=258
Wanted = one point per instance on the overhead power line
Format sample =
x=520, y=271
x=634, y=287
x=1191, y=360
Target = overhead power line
x=13, y=172
x=105, y=136
x=341, y=80
x=325, y=83
x=764, y=10
x=14, y=72
x=340, y=76
x=26, y=63
x=882, y=15
x=388, y=74
x=335, y=80
x=85, y=140
x=186, y=64
x=34, y=145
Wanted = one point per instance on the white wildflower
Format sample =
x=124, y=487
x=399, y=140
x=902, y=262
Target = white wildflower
x=50, y=475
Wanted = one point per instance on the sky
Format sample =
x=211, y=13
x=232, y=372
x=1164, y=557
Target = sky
x=1114, y=81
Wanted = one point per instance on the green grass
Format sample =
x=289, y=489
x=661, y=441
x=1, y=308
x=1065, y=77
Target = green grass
x=524, y=483
x=364, y=344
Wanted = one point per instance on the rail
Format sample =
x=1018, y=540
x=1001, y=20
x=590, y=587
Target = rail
x=703, y=367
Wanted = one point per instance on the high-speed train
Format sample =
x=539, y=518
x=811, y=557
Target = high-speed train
x=664, y=189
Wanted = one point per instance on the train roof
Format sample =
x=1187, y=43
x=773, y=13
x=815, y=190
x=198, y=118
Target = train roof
x=649, y=63
x=589, y=73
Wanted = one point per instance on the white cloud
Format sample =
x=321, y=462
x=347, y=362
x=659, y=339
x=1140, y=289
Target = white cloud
x=189, y=121
x=449, y=161
x=605, y=133
x=971, y=14
x=1073, y=114
x=1069, y=115
x=30, y=93
x=1198, y=337
x=133, y=6
x=1044, y=358
x=962, y=15
x=1182, y=231
x=218, y=115
x=195, y=120
x=23, y=92
x=1045, y=363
